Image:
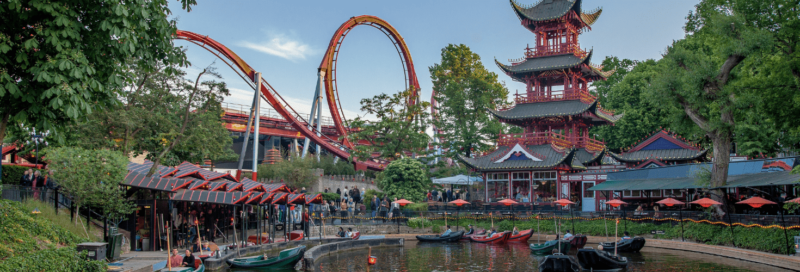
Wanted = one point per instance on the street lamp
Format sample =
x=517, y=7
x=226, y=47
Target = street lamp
x=36, y=139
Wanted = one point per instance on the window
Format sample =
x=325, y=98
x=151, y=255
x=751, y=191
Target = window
x=636, y=193
x=627, y=193
x=586, y=192
x=656, y=193
x=521, y=176
x=497, y=176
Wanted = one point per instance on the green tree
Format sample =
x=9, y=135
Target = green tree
x=625, y=92
x=400, y=127
x=700, y=75
x=92, y=177
x=62, y=59
x=465, y=90
x=405, y=178
x=295, y=171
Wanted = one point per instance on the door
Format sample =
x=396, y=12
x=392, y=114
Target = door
x=588, y=203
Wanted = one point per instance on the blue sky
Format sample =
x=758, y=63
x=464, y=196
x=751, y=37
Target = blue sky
x=285, y=40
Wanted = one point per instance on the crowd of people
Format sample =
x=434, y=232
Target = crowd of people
x=447, y=195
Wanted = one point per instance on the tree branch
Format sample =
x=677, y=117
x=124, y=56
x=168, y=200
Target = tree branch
x=725, y=70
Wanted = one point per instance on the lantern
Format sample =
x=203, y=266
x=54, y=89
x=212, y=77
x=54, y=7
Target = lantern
x=372, y=260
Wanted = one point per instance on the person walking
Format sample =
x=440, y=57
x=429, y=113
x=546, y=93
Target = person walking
x=395, y=208
x=384, y=208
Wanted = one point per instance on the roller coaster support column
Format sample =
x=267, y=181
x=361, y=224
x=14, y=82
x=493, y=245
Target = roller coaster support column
x=246, y=138
x=257, y=123
x=316, y=109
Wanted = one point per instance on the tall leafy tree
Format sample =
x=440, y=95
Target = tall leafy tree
x=625, y=92
x=61, y=59
x=92, y=177
x=464, y=91
x=400, y=126
x=701, y=75
x=405, y=178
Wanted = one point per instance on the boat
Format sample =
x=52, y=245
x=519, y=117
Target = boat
x=296, y=235
x=627, y=245
x=559, y=263
x=356, y=235
x=452, y=237
x=286, y=259
x=254, y=238
x=592, y=259
x=547, y=247
x=578, y=241
x=465, y=237
x=497, y=239
x=521, y=237
x=197, y=263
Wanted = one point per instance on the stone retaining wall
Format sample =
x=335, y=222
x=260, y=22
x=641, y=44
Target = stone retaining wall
x=219, y=263
x=371, y=229
x=314, y=254
x=782, y=261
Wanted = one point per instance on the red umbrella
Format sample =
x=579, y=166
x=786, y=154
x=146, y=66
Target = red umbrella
x=705, y=202
x=616, y=202
x=403, y=202
x=669, y=202
x=564, y=202
x=756, y=202
x=507, y=202
x=796, y=200
x=458, y=202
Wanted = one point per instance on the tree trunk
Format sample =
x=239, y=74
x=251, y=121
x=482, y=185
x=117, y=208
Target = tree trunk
x=719, y=170
x=4, y=126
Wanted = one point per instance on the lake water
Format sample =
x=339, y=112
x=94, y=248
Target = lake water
x=415, y=256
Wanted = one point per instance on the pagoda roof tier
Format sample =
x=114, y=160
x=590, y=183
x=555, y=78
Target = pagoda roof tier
x=586, y=156
x=555, y=109
x=547, y=10
x=541, y=65
x=521, y=157
x=662, y=146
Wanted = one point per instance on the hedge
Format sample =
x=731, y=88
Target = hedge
x=12, y=174
x=65, y=259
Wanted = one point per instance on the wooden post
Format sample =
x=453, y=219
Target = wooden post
x=169, y=263
x=199, y=238
x=616, y=230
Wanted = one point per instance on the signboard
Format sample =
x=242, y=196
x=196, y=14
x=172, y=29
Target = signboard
x=238, y=127
x=657, y=232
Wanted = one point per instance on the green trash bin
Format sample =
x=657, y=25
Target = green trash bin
x=114, y=244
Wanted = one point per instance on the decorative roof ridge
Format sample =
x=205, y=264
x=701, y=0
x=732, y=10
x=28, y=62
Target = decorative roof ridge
x=589, y=18
x=519, y=10
x=586, y=59
x=598, y=154
x=524, y=147
x=663, y=134
x=653, y=160
x=622, y=158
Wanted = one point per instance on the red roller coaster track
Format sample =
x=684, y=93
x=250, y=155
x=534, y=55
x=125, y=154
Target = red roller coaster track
x=328, y=66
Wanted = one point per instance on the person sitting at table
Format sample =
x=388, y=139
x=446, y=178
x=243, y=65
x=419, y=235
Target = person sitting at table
x=447, y=232
x=341, y=233
x=188, y=260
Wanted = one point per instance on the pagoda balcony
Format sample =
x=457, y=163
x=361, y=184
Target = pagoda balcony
x=561, y=95
x=555, y=49
x=549, y=137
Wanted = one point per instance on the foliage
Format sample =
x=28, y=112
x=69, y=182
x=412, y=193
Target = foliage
x=12, y=174
x=61, y=60
x=465, y=91
x=61, y=259
x=330, y=196
x=700, y=74
x=405, y=178
x=400, y=126
x=340, y=167
x=436, y=229
x=61, y=220
x=418, y=223
x=625, y=91
x=92, y=177
x=295, y=171
x=417, y=207
x=24, y=233
x=442, y=170
x=367, y=197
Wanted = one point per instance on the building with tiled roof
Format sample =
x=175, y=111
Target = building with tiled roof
x=556, y=110
x=660, y=149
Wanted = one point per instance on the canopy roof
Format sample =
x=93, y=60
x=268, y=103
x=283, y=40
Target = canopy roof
x=663, y=146
x=747, y=180
x=217, y=197
x=545, y=10
x=554, y=109
x=457, y=180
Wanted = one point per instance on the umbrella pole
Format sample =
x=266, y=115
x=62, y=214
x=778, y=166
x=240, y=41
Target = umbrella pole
x=605, y=223
x=680, y=212
x=573, y=220
x=616, y=233
x=557, y=238
x=538, y=230
x=785, y=236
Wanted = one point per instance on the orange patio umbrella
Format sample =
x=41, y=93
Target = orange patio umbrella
x=705, y=202
x=403, y=202
x=796, y=200
x=616, y=202
x=458, y=203
x=756, y=202
x=669, y=202
x=564, y=202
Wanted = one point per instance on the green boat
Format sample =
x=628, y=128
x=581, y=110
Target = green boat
x=547, y=247
x=286, y=259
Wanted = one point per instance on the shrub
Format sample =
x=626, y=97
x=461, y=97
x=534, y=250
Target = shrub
x=417, y=207
x=12, y=174
x=418, y=223
x=330, y=196
x=62, y=259
x=367, y=198
x=436, y=229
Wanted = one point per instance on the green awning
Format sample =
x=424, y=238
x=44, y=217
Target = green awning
x=748, y=180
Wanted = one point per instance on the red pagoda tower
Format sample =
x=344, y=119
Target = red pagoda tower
x=556, y=110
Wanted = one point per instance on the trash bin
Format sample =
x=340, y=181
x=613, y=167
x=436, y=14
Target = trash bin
x=114, y=244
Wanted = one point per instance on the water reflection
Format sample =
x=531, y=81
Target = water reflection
x=513, y=257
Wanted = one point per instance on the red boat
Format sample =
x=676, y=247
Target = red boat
x=296, y=235
x=477, y=233
x=521, y=237
x=497, y=239
x=356, y=235
x=578, y=241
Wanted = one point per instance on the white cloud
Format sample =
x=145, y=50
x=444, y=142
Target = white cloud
x=281, y=46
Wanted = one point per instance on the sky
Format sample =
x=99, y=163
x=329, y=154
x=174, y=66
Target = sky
x=285, y=40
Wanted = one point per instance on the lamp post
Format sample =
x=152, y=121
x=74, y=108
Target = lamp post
x=36, y=139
